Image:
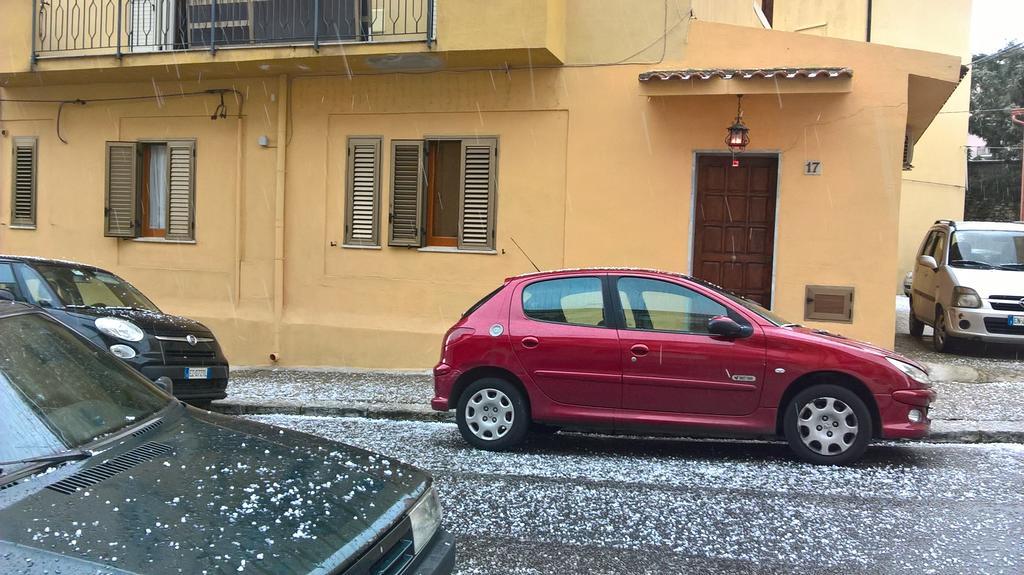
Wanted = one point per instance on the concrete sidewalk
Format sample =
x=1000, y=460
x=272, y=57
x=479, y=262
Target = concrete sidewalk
x=968, y=412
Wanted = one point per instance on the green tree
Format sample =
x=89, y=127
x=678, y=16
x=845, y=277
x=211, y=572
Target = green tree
x=997, y=84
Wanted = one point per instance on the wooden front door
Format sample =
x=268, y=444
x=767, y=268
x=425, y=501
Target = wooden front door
x=734, y=231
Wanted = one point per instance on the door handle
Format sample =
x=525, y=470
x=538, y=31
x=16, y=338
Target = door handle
x=639, y=350
x=530, y=342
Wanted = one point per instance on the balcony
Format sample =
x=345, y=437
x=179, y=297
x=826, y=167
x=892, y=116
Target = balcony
x=65, y=28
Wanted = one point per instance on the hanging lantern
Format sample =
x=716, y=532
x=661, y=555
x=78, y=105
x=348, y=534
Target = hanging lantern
x=739, y=136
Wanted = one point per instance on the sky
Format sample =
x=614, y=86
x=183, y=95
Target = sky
x=994, y=23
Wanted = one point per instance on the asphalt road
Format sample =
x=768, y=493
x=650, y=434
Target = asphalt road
x=574, y=503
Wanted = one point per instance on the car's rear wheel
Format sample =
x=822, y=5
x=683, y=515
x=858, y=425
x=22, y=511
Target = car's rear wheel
x=941, y=340
x=493, y=414
x=827, y=425
x=916, y=325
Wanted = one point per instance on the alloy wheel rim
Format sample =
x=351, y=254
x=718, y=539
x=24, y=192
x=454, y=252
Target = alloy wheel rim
x=940, y=331
x=827, y=426
x=490, y=414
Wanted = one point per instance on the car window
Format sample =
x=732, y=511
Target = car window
x=995, y=248
x=7, y=281
x=938, y=248
x=578, y=300
x=665, y=306
x=927, y=245
x=58, y=391
x=93, y=288
x=39, y=292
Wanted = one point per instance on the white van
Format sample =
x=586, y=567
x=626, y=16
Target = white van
x=969, y=283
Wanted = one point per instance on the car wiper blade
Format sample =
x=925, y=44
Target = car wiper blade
x=1011, y=266
x=790, y=325
x=971, y=263
x=74, y=455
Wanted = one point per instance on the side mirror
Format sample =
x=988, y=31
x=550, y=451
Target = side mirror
x=927, y=261
x=165, y=383
x=728, y=328
x=6, y=295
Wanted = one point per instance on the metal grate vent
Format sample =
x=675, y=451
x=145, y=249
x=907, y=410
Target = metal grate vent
x=110, y=468
x=148, y=428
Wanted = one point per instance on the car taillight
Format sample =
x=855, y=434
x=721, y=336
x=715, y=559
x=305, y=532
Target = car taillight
x=456, y=334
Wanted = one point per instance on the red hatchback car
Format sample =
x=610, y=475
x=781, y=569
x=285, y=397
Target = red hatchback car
x=636, y=350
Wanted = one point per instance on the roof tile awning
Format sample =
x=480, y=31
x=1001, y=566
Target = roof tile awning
x=719, y=81
x=746, y=74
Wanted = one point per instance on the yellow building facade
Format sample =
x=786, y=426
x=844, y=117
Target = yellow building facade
x=543, y=131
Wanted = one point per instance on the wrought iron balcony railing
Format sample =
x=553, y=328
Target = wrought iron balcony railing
x=118, y=27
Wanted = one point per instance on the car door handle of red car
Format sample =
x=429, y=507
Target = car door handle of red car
x=639, y=349
x=530, y=342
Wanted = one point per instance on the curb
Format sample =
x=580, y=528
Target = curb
x=943, y=431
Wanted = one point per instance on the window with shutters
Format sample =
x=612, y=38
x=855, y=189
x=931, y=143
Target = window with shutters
x=362, y=192
x=443, y=193
x=150, y=190
x=23, y=182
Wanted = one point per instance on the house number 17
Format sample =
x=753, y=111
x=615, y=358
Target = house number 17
x=812, y=168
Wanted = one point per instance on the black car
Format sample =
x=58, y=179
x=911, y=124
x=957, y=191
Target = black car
x=102, y=472
x=118, y=317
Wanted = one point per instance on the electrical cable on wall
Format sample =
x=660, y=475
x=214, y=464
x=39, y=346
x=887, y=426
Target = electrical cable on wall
x=220, y=112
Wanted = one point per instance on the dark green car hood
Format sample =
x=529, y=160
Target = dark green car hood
x=229, y=495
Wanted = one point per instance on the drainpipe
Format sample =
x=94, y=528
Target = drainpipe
x=279, y=190
x=870, y=13
x=1018, y=118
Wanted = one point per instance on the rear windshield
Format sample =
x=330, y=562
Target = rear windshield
x=482, y=301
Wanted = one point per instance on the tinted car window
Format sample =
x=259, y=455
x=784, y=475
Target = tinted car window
x=93, y=288
x=59, y=392
x=577, y=301
x=7, y=281
x=39, y=292
x=665, y=306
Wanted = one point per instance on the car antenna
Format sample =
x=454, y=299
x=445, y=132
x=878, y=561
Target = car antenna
x=524, y=253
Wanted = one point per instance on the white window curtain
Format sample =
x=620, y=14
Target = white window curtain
x=158, y=187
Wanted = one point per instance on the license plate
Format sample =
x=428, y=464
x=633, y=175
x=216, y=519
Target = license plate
x=197, y=373
x=1016, y=320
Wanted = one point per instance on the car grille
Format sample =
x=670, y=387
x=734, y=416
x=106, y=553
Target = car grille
x=1006, y=302
x=999, y=325
x=187, y=354
x=397, y=559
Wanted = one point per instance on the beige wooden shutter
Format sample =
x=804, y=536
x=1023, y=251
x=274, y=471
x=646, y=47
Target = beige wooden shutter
x=121, y=190
x=476, y=218
x=23, y=183
x=405, y=218
x=363, y=192
x=181, y=190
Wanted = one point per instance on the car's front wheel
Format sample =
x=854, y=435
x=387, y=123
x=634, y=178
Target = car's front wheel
x=493, y=414
x=941, y=340
x=827, y=425
x=916, y=325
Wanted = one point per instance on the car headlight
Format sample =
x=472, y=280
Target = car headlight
x=915, y=373
x=426, y=519
x=965, y=297
x=120, y=328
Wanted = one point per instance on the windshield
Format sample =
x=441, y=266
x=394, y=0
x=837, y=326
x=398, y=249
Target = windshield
x=58, y=392
x=988, y=249
x=83, y=287
x=766, y=313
